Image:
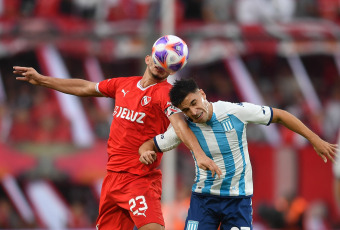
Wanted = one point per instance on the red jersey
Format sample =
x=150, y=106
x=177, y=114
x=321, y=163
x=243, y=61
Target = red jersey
x=139, y=115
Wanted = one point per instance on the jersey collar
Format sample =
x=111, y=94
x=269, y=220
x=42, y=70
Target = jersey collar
x=139, y=85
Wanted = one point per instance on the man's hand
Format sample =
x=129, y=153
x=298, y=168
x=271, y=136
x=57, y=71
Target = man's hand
x=27, y=74
x=148, y=157
x=206, y=163
x=326, y=150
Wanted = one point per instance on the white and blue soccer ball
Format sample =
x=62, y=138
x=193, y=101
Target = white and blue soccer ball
x=170, y=53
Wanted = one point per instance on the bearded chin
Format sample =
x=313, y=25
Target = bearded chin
x=156, y=76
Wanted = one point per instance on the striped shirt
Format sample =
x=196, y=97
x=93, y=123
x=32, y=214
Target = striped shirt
x=223, y=139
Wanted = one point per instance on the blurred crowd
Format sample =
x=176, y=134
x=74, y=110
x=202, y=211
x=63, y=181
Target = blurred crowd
x=209, y=11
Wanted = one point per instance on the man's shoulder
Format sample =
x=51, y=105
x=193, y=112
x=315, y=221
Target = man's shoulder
x=223, y=106
x=226, y=107
x=162, y=88
x=164, y=85
x=129, y=78
x=123, y=79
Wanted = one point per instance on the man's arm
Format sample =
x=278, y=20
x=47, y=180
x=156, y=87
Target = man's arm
x=323, y=148
x=147, y=152
x=189, y=139
x=160, y=143
x=77, y=87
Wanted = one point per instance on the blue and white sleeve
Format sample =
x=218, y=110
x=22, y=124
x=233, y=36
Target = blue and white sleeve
x=252, y=113
x=167, y=141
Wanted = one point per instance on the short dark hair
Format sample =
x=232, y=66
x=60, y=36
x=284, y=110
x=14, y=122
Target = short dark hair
x=181, y=89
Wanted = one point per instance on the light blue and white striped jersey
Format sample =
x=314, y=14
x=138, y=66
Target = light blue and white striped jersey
x=223, y=138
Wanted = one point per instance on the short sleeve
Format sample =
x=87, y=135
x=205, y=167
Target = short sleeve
x=252, y=113
x=107, y=87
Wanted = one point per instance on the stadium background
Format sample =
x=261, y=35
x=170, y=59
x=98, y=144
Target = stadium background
x=283, y=54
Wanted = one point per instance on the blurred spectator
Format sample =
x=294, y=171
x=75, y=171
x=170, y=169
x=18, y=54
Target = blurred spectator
x=5, y=122
x=101, y=125
x=8, y=217
x=222, y=87
x=336, y=173
x=316, y=216
x=287, y=213
x=66, y=7
x=10, y=9
x=86, y=8
x=27, y=7
x=47, y=9
x=24, y=98
x=79, y=218
x=21, y=129
x=329, y=9
x=217, y=11
x=193, y=10
x=49, y=124
x=126, y=9
x=249, y=11
x=331, y=116
x=253, y=11
x=307, y=8
x=178, y=209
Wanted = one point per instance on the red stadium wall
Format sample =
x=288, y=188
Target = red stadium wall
x=262, y=160
x=316, y=180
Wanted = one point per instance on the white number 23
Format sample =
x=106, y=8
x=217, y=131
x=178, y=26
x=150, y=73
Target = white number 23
x=141, y=201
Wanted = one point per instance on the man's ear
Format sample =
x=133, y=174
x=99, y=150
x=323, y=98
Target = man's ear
x=147, y=59
x=203, y=94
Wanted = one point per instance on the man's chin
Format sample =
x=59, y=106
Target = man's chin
x=159, y=78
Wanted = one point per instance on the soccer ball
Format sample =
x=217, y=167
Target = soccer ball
x=170, y=53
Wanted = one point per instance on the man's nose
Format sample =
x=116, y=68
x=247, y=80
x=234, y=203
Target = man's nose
x=193, y=111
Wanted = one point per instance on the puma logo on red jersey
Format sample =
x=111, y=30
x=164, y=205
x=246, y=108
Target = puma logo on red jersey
x=129, y=115
x=123, y=91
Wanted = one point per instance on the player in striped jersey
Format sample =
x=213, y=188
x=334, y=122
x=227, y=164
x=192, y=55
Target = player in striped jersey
x=220, y=128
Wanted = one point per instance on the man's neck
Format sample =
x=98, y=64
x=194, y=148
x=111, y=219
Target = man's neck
x=148, y=80
x=211, y=110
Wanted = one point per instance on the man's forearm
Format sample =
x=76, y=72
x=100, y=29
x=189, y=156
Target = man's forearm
x=293, y=123
x=187, y=136
x=77, y=87
x=147, y=146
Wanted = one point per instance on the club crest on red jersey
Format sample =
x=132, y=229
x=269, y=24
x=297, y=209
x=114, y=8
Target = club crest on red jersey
x=145, y=100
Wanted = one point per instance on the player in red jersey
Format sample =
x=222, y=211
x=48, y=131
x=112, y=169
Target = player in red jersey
x=131, y=191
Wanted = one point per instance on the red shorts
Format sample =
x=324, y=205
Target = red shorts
x=127, y=200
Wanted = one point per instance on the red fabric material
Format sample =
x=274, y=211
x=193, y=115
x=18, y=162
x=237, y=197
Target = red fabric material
x=126, y=197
